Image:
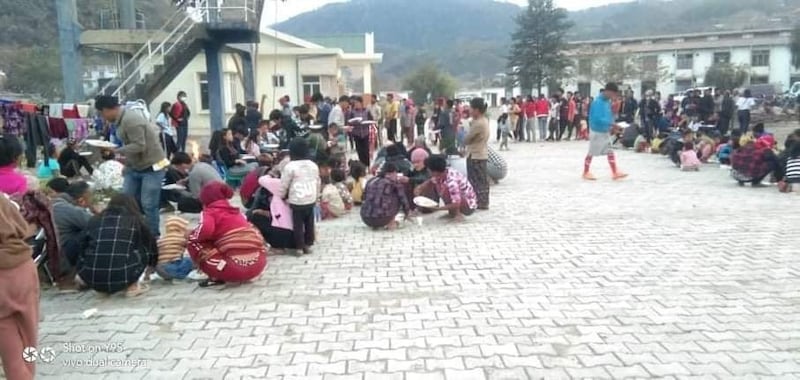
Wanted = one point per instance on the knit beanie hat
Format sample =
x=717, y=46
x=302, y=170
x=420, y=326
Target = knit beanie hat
x=419, y=155
x=215, y=191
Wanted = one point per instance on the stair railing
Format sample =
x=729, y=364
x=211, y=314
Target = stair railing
x=152, y=48
x=122, y=71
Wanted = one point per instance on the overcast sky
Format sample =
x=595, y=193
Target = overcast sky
x=294, y=7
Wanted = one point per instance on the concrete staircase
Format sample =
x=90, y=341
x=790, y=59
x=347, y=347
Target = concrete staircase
x=159, y=60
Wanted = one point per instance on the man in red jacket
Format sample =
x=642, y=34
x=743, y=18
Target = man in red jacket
x=529, y=109
x=180, y=120
x=542, y=112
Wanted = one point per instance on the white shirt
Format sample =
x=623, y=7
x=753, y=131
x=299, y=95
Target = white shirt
x=336, y=116
x=745, y=104
x=504, y=109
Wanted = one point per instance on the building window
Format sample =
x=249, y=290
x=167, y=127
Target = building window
x=760, y=58
x=585, y=67
x=682, y=85
x=759, y=79
x=311, y=86
x=722, y=57
x=231, y=90
x=278, y=81
x=685, y=61
x=235, y=91
x=585, y=88
x=202, y=79
x=650, y=64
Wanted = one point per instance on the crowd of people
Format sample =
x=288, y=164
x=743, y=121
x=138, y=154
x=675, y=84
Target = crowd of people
x=292, y=170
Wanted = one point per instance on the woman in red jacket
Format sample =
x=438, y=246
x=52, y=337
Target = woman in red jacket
x=224, y=245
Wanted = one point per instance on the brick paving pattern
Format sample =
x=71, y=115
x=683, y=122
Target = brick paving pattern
x=666, y=274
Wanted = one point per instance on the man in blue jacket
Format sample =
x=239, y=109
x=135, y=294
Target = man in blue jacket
x=601, y=124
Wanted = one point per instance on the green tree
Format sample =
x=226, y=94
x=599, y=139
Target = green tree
x=794, y=45
x=35, y=70
x=725, y=76
x=538, y=44
x=428, y=79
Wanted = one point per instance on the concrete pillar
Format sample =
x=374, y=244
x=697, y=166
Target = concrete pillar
x=248, y=76
x=127, y=14
x=214, y=75
x=367, y=78
x=69, y=46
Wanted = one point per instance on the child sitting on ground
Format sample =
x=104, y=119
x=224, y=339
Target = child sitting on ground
x=705, y=147
x=172, y=264
x=337, y=178
x=689, y=160
x=640, y=145
x=337, y=143
x=357, y=181
x=49, y=168
x=108, y=175
x=724, y=151
x=56, y=186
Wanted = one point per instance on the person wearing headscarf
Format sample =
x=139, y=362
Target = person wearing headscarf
x=224, y=245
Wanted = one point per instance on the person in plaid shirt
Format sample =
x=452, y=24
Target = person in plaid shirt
x=754, y=161
x=453, y=187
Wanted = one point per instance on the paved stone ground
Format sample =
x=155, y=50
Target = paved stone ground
x=666, y=274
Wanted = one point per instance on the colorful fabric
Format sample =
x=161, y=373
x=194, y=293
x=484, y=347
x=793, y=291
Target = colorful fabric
x=383, y=198
x=749, y=161
x=11, y=181
x=458, y=187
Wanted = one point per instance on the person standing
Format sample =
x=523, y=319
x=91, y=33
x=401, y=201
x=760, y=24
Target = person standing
x=726, y=113
x=19, y=293
x=359, y=131
x=376, y=112
x=300, y=185
x=145, y=161
x=601, y=121
x=503, y=115
x=743, y=105
x=514, y=112
x=180, y=120
x=337, y=115
x=446, y=129
x=542, y=112
x=530, y=119
x=392, y=115
x=286, y=106
x=571, y=109
x=409, y=121
x=477, y=151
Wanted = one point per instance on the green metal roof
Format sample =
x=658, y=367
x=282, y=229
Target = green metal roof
x=349, y=43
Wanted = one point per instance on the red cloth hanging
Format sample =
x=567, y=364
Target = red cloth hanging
x=70, y=113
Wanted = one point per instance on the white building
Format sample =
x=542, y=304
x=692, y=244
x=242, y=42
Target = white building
x=684, y=59
x=285, y=65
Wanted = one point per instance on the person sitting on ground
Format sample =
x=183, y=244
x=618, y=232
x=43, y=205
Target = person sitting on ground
x=788, y=173
x=397, y=156
x=71, y=214
x=629, y=135
x=108, y=175
x=300, y=185
x=753, y=161
x=357, y=181
x=224, y=245
x=453, y=187
x=239, y=138
x=706, y=147
x=19, y=291
x=505, y=131
x=724, y=150
x=192, y=176
x=116, y=249
x=172, y=264
x=318, y=146
x=419, y=175
x=226, y=154
x=49, y=167
x=335, y=202
x=56, y=186
x=689, y=160
x=72, y=162
x=251, y=145
x=419, y=143
x=272, y=215
x=640, y=145
x=337, y=144
x=250, y=182
x=384, y=198
x=12, y=182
